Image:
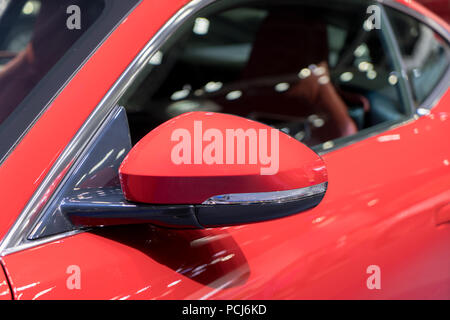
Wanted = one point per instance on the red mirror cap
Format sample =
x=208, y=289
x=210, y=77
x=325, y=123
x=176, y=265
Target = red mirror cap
x=184, y=161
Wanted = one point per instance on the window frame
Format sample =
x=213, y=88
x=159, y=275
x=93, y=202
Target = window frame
x=13, y=241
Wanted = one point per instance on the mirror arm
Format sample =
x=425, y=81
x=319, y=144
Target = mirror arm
x=106, y=207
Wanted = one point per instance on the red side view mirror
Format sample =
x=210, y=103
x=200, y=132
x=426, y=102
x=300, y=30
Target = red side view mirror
x=205, y=169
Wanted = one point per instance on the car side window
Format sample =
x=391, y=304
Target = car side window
x=314, y=71
x=42, y=45
x=34, y=36
x=425, y=53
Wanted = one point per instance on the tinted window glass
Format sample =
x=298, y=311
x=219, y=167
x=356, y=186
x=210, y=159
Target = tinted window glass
x=315, y=71
x=42, y=42
x=425, y=53
x=33, y=37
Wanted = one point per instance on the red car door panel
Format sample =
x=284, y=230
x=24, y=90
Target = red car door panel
x=369, y=216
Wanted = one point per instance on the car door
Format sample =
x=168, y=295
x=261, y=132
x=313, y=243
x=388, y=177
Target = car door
x=385, y=210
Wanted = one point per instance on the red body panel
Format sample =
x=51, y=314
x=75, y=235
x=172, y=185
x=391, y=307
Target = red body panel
x=439, y=7
x=425, y=9
x=383, y=207
x=369, y=216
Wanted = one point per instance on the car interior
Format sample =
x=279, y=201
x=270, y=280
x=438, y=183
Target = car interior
x=318, y=73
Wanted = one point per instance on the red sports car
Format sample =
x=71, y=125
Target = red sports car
x=212, y=149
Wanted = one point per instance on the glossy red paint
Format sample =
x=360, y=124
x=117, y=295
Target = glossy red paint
x=439, y=7
x=370, y=216
x=157, y=177
x=428, y=10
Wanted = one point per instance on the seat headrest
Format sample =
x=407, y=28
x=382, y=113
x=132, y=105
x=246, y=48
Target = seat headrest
x=285, y=43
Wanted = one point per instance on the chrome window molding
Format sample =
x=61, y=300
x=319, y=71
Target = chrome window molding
x=13, y=241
